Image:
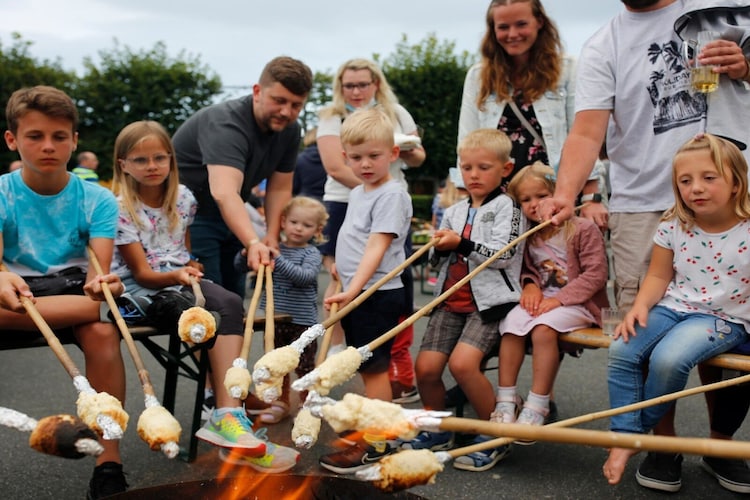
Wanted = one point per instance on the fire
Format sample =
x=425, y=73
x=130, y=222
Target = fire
x=237, y=482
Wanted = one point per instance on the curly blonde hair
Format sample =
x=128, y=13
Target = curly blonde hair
x=545, y=59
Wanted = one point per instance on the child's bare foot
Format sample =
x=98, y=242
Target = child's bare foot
x=614, y=467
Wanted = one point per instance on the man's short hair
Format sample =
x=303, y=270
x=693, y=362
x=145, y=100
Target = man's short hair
x=49, y=101
x=367, y=125
x=293, y=74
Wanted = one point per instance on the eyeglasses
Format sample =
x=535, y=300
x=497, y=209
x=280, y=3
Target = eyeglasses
x=351, y=86
x=144, y=162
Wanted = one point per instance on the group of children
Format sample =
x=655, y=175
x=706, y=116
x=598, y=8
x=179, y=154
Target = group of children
x=553, y=282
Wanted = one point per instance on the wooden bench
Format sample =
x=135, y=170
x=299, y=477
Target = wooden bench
x=177, y=359
x=593, y=338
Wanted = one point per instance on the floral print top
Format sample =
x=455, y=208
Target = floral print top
x=711, y=270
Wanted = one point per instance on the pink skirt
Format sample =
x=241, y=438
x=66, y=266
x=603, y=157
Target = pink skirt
x=561, y=319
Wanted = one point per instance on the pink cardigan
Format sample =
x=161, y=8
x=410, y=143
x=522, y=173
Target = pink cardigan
x=587, y=269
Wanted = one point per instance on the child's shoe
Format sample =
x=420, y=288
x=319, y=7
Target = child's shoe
x=232, y=429
x=108, y=479
x=356, y=457
x=481, y=460
x=277, y=458
x=434, y=441
x=506, y=412
x=132, y=309
x=531, y=415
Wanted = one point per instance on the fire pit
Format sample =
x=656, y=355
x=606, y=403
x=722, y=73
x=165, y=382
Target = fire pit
x=267, y=486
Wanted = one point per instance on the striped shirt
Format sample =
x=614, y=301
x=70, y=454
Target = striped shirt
x=295, y=284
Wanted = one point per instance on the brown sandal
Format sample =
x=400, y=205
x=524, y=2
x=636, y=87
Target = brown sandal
x=274, y=414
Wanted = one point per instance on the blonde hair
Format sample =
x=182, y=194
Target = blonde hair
x=545, y=59
x=728, y=160
x=384, y=96
x=313, y=206
x=367, y=125
x=127, y=187
x=545, y=175
x=451, y=194
x=490, y=139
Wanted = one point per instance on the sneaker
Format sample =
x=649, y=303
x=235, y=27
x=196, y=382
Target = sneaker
x=433, y=441
x=403, y=394
x=661, y=471
x=132, y=309
x=277, y=458
x=209, y=404
x=505, y=412
x=108, y=479
x=553, y=415
x=354, y=458
x=529, y=416
x=455, y=397
x=733, y=475
x=232, y=430
x=481, y=460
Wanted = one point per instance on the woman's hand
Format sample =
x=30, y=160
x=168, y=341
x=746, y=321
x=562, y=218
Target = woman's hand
x=725, y=57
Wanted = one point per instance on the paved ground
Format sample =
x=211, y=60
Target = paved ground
x=34, y=382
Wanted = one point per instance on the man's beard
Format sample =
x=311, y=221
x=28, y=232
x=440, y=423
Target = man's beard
x=639, y=4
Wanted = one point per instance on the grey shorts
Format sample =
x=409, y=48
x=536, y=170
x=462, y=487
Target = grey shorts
x=446, y=329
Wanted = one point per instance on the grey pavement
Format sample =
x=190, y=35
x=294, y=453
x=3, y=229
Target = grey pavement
x=34, y=382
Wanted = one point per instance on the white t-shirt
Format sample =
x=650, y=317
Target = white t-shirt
x=334, y=190
x=710, y=270
x=652, y=115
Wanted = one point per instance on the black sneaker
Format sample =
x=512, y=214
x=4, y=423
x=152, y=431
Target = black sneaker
x=108, y=479
x=354, y=458
x=132, y=309
x=733, y=475
x=661, y=471
x=403, y=394
x=455, y=397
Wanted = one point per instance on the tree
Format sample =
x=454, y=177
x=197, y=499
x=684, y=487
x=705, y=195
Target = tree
x=320, y=95
x=128, y=86
x=19, y=69
x=428, y=79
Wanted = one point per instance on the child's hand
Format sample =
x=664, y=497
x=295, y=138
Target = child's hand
x=93, y=289
x=11, y=286
x=531, y=296
x=626, y=329
x=342, y=299
x=447, y=240
x=182, y=276
x=547, y=305
x=196, y=265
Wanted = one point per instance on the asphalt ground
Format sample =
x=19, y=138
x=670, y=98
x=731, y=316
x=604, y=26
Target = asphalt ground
x=34, y=382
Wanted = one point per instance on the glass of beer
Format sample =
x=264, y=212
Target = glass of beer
x=702, y=77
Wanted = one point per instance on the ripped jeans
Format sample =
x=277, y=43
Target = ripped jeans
x=670, y=346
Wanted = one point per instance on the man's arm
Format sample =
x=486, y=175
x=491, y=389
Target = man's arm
x=580, y=152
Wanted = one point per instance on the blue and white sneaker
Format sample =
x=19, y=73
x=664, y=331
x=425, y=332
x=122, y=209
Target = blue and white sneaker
x=132, y=309
x=481, y=460
x=433, y=441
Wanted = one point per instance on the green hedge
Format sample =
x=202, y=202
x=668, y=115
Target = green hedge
x=422, y=206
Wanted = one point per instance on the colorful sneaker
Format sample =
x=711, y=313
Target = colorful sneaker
x=232, y=430
x=108, y=479
x=661, y=471
x=277, y=458
x=434, y=441
x=354, y=458
x=481, y=460
x=733, y=475
x=403, y=394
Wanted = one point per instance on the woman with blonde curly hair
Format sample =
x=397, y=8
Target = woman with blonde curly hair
x=524, y=85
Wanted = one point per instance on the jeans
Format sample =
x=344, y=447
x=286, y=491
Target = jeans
x=215, y=247
x=670, y=345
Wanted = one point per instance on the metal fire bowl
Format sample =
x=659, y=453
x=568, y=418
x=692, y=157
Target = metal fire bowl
x=268, y=486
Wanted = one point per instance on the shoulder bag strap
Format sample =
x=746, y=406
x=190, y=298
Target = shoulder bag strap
x=525, y=122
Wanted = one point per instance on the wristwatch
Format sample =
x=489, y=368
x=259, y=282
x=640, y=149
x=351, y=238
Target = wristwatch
x=595, y=197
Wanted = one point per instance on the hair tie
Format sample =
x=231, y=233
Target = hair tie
x=699, y=136
x=550, y=177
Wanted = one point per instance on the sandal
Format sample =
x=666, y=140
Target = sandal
x=506, y=410
x=274, y=414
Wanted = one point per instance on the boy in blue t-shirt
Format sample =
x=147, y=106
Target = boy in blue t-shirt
x=47, y=219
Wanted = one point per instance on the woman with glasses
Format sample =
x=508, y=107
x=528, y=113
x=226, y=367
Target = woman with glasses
x=360, y=84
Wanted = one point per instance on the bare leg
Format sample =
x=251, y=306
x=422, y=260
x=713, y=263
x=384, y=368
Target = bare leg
x=546, y=359
x=614, y=467
x=377, y=385
x=224, y=351
x=429, y=367
x=58, y=311
x=465, y=365
x=512, y=351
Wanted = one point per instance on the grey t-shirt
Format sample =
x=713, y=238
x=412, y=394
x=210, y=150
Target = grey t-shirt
x=227, y=134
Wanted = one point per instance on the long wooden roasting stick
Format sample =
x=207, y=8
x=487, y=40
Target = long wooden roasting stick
x=269, y=389
x=237, y=379
x=99, y=410
x=342, y=366
x=59, y=435
x=283, y=360
x=196, y=325
x=156, y=426
x=325, y=343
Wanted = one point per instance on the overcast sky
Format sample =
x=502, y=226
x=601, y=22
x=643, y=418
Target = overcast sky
x=235, y=38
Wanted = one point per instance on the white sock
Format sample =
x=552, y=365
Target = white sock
x=539, y=400
x=506, y=393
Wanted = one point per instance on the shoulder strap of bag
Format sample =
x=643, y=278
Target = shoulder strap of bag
x=525, y=122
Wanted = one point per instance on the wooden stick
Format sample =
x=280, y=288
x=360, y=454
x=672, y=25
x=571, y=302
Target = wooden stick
x=334, y=318
x=605, y=439
x=249, y=320
x=143, y=376
x=269, y=332
x=200, y=299
x=589, y=417
x=326, y=341
x=440, y=298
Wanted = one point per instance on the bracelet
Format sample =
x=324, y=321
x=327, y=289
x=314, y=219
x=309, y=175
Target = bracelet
x=254, y=241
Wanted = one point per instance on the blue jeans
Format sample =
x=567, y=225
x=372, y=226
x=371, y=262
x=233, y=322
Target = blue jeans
x=215, y=247
x=670, y=346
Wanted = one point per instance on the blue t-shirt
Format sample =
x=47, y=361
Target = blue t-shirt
x=42, y=234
